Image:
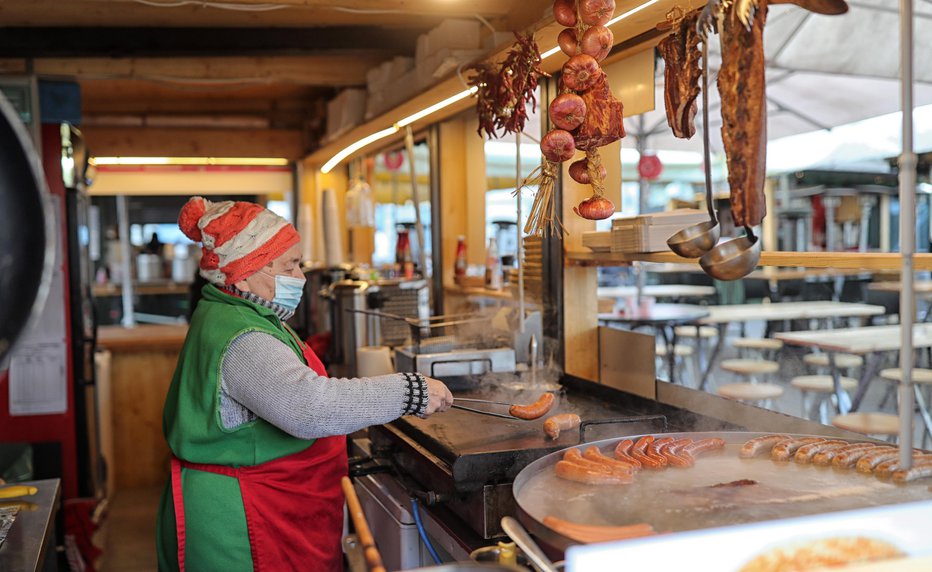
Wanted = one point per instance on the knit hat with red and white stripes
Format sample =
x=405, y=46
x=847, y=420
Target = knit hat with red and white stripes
x=239, y=238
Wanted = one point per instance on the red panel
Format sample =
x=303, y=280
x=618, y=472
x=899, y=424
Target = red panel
x=60, y=427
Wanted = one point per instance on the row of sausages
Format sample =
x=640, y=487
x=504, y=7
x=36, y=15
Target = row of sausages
x=868, y=458
x=593, y=467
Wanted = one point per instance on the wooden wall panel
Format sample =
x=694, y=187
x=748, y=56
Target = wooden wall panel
x=139, y=383
x=168, y=142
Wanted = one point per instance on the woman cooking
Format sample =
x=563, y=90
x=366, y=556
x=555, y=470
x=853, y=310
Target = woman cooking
x=255, y=426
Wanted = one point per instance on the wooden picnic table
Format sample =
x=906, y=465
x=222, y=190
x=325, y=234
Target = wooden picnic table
x=870, y=342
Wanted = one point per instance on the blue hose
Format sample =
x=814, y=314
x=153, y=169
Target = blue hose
x=423, y=533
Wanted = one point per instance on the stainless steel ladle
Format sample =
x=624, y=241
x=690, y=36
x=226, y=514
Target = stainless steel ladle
x=695, y=240
x=734, y=258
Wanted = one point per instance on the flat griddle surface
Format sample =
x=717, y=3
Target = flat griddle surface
x=680, y=499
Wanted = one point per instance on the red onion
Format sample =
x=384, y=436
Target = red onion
x=597, y=41
x=568, y=111
x=596, y=12
x=568, y=42
x=595, y=207
x=579, y=171
x=558, y=145
x=564, y=12
x=580, y=72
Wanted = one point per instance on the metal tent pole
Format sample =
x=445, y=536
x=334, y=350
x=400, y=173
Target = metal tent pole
x=907, y=179
x=519, y=254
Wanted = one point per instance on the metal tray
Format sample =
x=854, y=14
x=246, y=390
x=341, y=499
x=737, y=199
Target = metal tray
x=667, y=499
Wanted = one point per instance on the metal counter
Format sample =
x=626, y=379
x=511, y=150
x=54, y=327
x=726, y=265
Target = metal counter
x=30, y=544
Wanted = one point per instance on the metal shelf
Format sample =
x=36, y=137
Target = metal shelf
x=885, y=261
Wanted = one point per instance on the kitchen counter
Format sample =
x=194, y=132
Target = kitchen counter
x=143, y=361
x=30, y=545
x=141, y=337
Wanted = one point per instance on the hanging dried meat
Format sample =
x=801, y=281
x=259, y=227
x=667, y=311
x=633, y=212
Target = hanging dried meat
x=741, y=84
x=681, y=55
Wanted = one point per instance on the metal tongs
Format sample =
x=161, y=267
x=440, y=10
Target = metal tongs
x=482, y=411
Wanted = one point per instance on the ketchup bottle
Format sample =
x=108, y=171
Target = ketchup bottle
x=459, y=266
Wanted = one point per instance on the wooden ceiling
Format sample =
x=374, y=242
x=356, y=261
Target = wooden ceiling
x=232, y=65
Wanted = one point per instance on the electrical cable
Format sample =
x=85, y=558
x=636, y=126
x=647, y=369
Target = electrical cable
x=486, y=22
x=218, y=5
x=423, y=533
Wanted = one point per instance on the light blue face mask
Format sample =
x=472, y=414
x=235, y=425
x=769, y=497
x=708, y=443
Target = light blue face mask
x=288, y=290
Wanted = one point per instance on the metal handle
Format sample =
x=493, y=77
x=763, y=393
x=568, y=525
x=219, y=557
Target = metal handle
x=521, y=537
x=639, y=419
x=487, y=361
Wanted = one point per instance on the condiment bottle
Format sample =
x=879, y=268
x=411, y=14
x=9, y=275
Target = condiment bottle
x=493, y=266
x=460, y=264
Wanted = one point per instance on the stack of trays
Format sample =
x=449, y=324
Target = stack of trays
x=533, y=283
x=649, y=233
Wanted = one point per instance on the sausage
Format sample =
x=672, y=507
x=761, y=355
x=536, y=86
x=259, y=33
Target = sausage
x=695, y=448
x=675, y=456
x=654, y=448
x=587, y=533
x=827, y=457
x=784, y=450
x=886, y=469
x=805, y=453
x=623, y=453
x=536, y=410
x=867, y=463
x=562, y=422
x=575, y=456
x=594, y=454
x=648, y=461
x=580, y=474
x=759, y=445
x=848, y=459
x=918, y=471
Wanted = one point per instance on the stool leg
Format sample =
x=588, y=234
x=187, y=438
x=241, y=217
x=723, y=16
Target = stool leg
x=803, y=405
x=890, y=392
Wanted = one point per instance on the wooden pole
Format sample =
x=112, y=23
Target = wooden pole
x=370, y=551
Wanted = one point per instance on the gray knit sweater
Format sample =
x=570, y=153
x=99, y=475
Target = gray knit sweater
x=263, y=377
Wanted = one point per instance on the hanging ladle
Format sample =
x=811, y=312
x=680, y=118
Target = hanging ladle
x=734, y=258
x=695, y=240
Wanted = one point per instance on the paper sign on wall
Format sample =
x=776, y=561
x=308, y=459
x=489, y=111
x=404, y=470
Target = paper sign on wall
x=38, y=380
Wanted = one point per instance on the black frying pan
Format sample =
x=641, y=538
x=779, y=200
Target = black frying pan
x=26, y=246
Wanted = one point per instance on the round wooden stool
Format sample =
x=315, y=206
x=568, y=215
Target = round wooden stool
x=762, y=393
x=696, y=332
x=825, y=388
x=842, y=361
x=750, y=367
x=678, y=351
x=763, y=344
x=869, y=423
x=921, y=377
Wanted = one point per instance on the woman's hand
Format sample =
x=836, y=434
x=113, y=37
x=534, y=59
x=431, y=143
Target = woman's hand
x=439, y=397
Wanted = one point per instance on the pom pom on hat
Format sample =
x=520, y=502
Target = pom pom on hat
x=190, y=215
x=239, y=238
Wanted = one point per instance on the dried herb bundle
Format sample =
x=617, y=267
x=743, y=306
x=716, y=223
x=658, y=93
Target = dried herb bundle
x=505, y=91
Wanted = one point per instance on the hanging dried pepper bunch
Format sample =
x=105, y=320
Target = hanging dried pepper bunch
x=505, y=91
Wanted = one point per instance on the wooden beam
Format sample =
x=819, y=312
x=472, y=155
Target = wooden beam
x=126, y=42
x=842, y=260
x=333, y=70
x=151, y=142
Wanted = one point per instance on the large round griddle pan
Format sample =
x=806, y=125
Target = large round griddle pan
x=26, y=245
x=675, y=500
